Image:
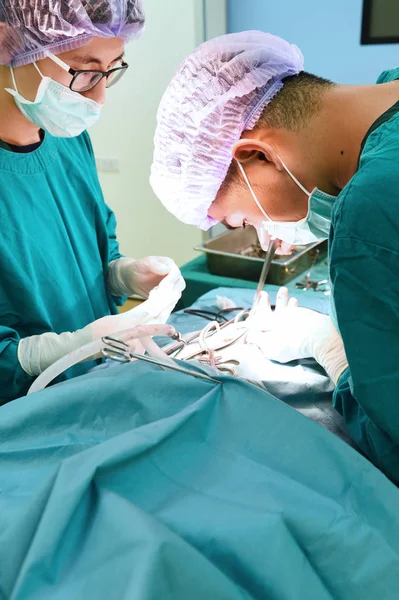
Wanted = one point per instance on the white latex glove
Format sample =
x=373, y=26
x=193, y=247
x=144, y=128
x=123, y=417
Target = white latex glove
x=127, y=276
x=37, y=352
x=290, y=333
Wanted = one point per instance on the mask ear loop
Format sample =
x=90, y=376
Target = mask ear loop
x=38, y=70
x=258, y=204
x=14, y=80
x=301, y=187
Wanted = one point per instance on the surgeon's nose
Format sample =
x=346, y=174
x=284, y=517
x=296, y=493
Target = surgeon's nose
x=98, y=93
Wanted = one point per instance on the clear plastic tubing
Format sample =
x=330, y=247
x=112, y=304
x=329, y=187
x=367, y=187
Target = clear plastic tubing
x=142, y=332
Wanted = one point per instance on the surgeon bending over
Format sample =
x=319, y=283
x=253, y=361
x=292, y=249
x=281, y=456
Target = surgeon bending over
x=245, y=135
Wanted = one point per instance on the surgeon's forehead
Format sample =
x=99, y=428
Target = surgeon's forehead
x=88, y=59
x=97, y=52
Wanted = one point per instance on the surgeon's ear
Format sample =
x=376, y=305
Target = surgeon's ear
x=248, y=150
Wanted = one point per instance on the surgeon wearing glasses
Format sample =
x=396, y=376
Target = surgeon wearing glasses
x=61, y=272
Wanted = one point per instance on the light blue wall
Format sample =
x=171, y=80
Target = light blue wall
x=327, y=32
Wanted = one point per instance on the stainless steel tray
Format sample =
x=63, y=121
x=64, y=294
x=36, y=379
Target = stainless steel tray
x=226, y=255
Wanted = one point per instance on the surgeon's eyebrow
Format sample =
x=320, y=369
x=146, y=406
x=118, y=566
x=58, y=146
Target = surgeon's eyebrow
x=89, y=60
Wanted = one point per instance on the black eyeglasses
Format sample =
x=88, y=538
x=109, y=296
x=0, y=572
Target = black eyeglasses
x=84, y=80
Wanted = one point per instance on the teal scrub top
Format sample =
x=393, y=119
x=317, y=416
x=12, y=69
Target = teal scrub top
x=364, y=271
x=57, y=240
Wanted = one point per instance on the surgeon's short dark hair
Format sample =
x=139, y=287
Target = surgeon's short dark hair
x=292, y=108
x=294, y=105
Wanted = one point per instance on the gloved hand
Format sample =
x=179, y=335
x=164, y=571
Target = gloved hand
x=290, y=333
x=37, y=352
x=127, y=276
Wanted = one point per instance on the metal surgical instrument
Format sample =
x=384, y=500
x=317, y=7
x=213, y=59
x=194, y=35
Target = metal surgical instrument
x=271, y=251
x=120, y=351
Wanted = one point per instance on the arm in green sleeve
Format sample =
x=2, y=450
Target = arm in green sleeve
x=112, y=239
x=114, y=253
x=14, y=382
x=365, y=279
x=106, y=214
x=379, y=447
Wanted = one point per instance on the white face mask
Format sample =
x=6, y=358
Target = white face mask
x=313, y=228
x=56, y=108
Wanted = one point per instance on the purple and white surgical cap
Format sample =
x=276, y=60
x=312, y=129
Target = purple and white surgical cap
x=32, y=29
x=219, y=91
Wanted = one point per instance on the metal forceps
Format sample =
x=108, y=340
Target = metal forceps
x=120, y=351
x=206, y=350
x=116, y=349
x=208, y=354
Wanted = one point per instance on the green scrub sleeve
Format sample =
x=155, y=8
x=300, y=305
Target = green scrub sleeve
x=113, y=242
x=365, y=280
x=14, y=382
x=110, y=220
x=109, y=215
x=379, y=447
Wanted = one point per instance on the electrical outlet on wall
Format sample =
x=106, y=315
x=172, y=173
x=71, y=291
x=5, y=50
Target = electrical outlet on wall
x=107, y=164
